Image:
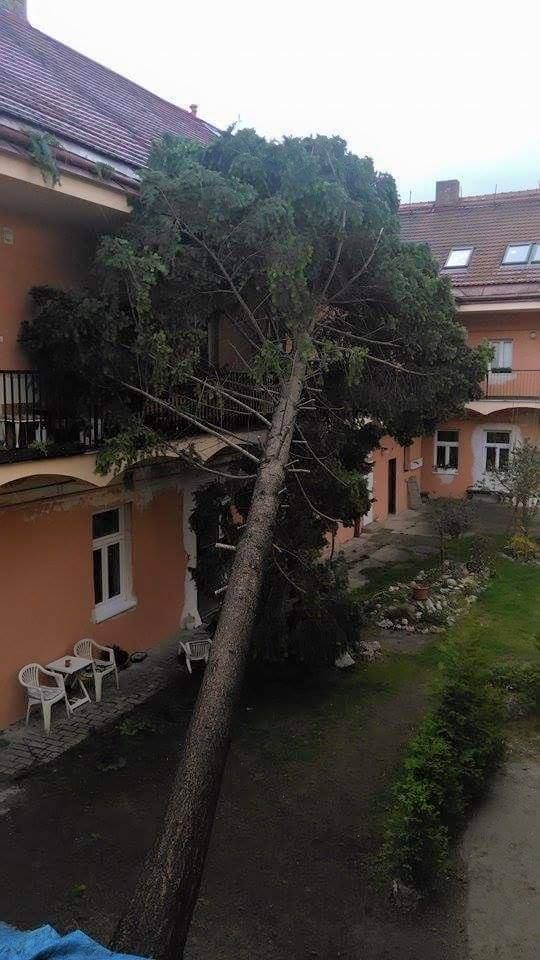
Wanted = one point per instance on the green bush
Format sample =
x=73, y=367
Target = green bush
x=416, y=844
x=521, y=547
x=448, y=765
x=518, y=682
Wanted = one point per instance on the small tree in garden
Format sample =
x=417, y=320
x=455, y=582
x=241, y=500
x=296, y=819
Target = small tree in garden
x=520, y=482
x=450, y=517
x=296, y=246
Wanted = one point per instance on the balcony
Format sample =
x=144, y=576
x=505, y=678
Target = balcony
x=38, y=420
x=512, y=385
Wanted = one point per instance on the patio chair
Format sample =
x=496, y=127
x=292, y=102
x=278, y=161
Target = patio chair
x=195, y=650
x=103, y=662
x=43, y=694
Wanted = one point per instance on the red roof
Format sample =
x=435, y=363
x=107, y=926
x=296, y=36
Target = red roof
x=46, y=84
x=487, y=223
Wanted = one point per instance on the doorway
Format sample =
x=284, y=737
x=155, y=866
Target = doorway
x=392, y=477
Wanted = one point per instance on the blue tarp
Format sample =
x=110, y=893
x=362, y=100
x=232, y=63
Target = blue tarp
x=47, y=944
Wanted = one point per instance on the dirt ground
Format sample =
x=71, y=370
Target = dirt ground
x=288, y=876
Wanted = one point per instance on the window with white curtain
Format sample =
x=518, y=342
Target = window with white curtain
x=447, y=449
x=497, y=450
x=502, y=355
x=111, y=556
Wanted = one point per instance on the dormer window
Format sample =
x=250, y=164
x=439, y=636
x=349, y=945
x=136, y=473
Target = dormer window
x=459, y=257
x=518, y=253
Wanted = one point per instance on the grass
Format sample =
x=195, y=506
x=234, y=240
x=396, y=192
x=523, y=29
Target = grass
x=298, y=722
x=379, y=578
x=505, y=623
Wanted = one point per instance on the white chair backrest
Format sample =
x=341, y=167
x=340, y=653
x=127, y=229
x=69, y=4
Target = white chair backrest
x=84, y=648
x=29, y=678
x=198, y=648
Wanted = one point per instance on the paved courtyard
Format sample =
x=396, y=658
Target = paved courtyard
x=398, y=540
x=401, y=539
x=24, y=747
x=409, y=536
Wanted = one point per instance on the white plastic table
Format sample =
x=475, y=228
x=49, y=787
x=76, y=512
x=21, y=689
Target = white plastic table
x=70, y=667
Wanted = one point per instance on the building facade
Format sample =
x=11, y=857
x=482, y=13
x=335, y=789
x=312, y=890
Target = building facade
x=82, y=554
x=489, y=248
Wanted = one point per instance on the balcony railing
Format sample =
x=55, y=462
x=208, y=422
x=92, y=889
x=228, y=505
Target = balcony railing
x=512, y=385
x=38, y=420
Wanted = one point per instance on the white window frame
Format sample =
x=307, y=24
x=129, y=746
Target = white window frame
x=535, y=254
x=447, y=445
x=497, y=446
x=504, y=350
x=468, y=251
x=524, y=245
x=112, y=606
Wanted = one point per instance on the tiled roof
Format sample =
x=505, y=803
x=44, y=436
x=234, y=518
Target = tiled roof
x=487, y=223
x=48, y=85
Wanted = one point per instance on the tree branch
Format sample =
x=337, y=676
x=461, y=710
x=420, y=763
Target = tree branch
x=186, y=416
x=337, y=256
x=359, y=272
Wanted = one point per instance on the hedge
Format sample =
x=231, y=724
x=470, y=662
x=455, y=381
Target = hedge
x=448, y=766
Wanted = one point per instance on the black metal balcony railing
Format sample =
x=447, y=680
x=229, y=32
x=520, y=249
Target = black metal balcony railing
x=38, y=420
x=512, y=385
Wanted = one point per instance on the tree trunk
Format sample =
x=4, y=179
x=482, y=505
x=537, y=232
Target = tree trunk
x=159, y=913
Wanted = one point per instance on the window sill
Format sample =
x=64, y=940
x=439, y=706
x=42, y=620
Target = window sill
x=445, y=471
x=112, y=608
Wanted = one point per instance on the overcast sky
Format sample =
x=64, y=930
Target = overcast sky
x=431, y=90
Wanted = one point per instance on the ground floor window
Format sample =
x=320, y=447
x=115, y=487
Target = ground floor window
x=497, y=453
x=447, y=449
x=111, y=556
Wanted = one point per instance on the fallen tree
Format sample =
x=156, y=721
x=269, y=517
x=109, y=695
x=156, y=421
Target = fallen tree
x=293, y=248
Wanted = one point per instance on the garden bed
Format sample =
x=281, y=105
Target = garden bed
x=431, y=602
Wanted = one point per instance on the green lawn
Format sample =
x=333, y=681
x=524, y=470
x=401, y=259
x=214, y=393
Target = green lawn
x=505, y=623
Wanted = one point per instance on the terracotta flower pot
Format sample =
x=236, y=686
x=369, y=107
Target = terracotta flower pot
x=420, y=591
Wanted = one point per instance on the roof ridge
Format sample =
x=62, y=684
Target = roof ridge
x=25, y=25
x=507, y=196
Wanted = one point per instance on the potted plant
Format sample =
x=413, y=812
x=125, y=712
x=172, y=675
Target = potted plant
x=420, y=591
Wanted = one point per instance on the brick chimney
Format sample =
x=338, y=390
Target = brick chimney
x=193, y=108
x=18, y=7
x=447, y=191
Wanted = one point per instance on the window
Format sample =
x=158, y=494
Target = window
x=535, y=255
x=517, y=253
x=447, y=449
x=502, y=355
x=497, y=449
x=459, y=257
x=111, y=556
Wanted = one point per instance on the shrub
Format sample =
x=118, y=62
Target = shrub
x=450, y=517
x=416, y=844
x=470, y=712
x=448, y=765
x=519, y=683
x=521, y=547
x=482, y=552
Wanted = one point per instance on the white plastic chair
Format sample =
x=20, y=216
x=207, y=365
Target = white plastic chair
x=195, y=650
x=41, y=694
x=103, y=665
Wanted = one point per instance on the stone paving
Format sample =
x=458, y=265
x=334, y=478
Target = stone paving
x=402, y=538
x=409, y=536
x=25, y=747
